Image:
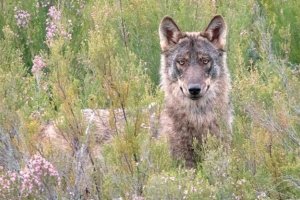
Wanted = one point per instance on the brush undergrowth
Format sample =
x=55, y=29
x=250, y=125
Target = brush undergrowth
x=105, y=55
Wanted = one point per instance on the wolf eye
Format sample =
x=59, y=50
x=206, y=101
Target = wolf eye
x=181, y=62
x=205, y=61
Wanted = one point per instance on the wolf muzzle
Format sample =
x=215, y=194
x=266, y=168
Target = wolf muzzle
x=194, y=89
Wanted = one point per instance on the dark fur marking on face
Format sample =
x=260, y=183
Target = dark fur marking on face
x=213, y=72
x=175, y=72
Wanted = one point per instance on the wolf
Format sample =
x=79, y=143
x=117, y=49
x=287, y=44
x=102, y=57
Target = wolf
x=196, y=84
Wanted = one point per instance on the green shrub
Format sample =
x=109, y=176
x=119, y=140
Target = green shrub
x=105, y=55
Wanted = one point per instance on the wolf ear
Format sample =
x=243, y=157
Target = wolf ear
x=216, y=32
x=169, y=33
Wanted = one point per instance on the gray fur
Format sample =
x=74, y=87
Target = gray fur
x=191, y=59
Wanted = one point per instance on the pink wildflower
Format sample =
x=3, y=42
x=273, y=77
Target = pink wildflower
x=33, y=174
x=52, y=22
x=22, y=17
x=54, y=14
x=13, y=176
x=38, y=64
x=51, y=29
x=7, y=181
x=53, y=26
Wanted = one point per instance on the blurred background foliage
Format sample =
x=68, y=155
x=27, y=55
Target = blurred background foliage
x=105, y=54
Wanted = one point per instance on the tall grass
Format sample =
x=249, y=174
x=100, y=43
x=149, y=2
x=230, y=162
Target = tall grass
x=93, y=109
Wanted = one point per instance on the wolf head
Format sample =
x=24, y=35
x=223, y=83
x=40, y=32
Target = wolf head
x=193, y=61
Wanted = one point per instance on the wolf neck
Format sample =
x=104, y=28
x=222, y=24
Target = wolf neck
x=199, y=114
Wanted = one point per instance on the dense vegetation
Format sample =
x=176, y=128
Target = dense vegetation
x=58, y=57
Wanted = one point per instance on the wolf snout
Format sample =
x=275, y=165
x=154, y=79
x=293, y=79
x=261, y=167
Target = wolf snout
x=194, y=89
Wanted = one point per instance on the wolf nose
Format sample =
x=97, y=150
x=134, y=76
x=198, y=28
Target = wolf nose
x=194, y=89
